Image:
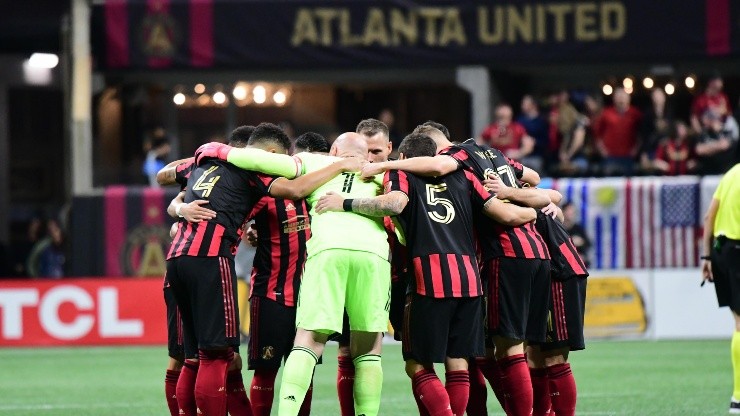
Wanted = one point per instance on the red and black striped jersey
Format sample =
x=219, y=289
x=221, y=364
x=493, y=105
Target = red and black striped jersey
x=283, y=227
x=565, y=263
x=183, y=172
x=438, y=225
x=399, y=254
x=232, y=193
x=498, y=240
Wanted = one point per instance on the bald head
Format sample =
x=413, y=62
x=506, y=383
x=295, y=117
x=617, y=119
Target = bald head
x=349, y=144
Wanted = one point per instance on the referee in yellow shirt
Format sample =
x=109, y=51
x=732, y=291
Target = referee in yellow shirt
x=721, y=260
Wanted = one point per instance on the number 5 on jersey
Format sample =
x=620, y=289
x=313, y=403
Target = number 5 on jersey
x=435, y=200
x=206, y=185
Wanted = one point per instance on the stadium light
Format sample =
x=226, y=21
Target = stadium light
x=219, y=97
x=629, y=90
x=607, y=89
x=280, y=98
x=627, y=83
x=690, y=82
x=648, y=83
x=670, y=89
x=43, y=60
x=179, y=98
x=204, y=99
x=199, y=88
x=260, y=94
x=240, y=92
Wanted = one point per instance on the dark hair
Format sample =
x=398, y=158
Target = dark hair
x=239, y=137
x=266, y=133
x=311, y=142
x=415, y=145
x=439, y=126
x=370, y=127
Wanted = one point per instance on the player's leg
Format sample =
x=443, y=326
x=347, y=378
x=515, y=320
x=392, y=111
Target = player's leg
x=478, y=390
x=237, y=401
x=174, y=349
x=217, y=328
x=541, y=405
x=318, y=314
x=367, y=303
x=465, y=339
x=345, y=371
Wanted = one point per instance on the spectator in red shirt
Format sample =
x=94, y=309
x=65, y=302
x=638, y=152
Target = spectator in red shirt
x=616, y=135
x=712, y=99
x=507, y=135
x=675, y=155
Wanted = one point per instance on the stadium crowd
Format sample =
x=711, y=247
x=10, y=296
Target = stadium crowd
x=579, y=136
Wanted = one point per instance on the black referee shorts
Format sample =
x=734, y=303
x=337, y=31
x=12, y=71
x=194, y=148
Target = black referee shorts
x=518, y=298
x=565, y=317
x=205, y=291
x=726, y=272
x=438, y=328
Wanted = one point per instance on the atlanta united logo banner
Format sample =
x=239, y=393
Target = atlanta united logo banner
x=161, y=34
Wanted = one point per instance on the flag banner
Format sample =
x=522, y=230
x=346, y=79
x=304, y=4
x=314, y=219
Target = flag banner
x=302, y=34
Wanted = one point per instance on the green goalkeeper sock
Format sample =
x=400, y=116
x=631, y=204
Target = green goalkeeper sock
x=297, y=376
x=368, y=384
x=735, y=349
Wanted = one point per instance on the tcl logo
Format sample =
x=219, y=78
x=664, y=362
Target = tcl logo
x=91, y=309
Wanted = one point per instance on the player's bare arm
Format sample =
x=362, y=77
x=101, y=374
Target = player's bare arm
x=304, y=185
x=386, y=205
x=166, y=175
x=192, y=212
x=508, y=214
x=708, y=239
x=530, y=176
x=531, y=197
x=423, y=166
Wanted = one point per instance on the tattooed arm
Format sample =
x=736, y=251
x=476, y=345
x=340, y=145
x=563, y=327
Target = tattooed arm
x=386, y=205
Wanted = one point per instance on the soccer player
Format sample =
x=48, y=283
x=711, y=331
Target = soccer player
x=343, y=269
x=515, y=263
x=284, y=227
x=720, y=260
x=445, y=312
x=200, y=266
x=553, y=384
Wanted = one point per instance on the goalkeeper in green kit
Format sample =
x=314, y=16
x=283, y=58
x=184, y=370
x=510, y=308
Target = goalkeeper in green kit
x=347, y=268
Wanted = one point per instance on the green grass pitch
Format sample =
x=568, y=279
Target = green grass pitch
x=614, y=378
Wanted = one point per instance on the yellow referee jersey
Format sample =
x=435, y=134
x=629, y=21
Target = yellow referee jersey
x=727, y=222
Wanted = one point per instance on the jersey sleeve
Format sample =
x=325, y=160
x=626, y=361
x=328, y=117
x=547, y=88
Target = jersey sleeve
x=460, y=155
x=396, y=180
x=182, y=173
x=517, y=167
x=478, y=193
x=263, y=182
x=720, y=192
x=265, y=162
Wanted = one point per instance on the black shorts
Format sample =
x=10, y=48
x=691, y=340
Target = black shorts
x=205, y=291
x=565, y=318
x=175, y=346
x=726, y=272
x=271, y=333
x=438, y=328
x=398, y=302
x=518, y=296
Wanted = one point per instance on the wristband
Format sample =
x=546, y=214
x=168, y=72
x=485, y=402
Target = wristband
x=177, y=211
x=347, y=204
x=706, y=257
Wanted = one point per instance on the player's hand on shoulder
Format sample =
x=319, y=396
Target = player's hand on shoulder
x=495, y=185
x=332, y=201
x=211, y=150
x=195, y=212
x=550, y=210
x=369, y=170
x=352, y=164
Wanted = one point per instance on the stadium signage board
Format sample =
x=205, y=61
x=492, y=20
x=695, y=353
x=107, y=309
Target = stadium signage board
x=340, y=34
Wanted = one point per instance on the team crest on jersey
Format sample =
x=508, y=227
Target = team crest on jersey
x=289, y=207
x=295, y=224
x=144, y=252
x=268, y=352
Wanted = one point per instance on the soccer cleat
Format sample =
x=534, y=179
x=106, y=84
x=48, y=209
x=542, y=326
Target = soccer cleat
x=734, y=406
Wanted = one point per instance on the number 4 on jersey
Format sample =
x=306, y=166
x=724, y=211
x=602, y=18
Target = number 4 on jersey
x=206, y=186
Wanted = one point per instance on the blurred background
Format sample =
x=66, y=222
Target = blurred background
x=627, y=107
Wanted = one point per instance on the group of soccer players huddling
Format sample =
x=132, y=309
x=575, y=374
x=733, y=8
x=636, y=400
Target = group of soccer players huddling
x=453, y=243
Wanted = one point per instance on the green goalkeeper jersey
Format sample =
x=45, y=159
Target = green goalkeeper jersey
x=343, y=230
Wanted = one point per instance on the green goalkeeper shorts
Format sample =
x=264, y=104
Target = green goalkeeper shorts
x=337, y=279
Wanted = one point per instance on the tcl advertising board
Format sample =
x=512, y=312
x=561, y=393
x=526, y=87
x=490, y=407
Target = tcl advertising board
x=99, y=311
